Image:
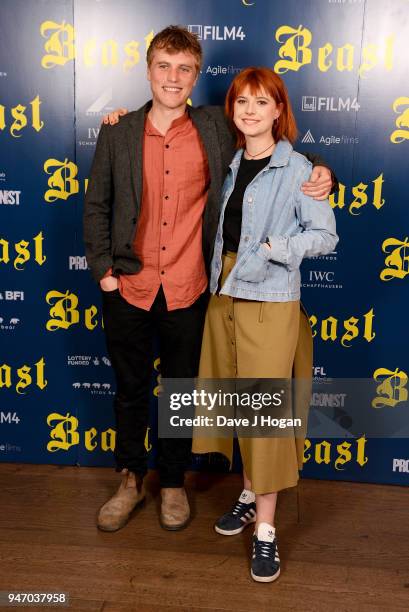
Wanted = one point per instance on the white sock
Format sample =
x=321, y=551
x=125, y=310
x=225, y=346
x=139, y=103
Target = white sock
x=247, y=497
x=266, y=532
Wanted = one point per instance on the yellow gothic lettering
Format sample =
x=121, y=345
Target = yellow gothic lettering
x=20, y=120
x=340, y=202
x=24, y=378
x=64, y=312
x=23, y=254
x=402, y=122
x=5, y=251
x=90, y=436
x=345, y=58
x=41, y=381
x=329, y=329
x=361, y=459
x=59, y=47
x=307, y=446
x=323, y=53
x=132, y=51
x=110, y=53
x=90, y=314
x=88, y=53
x=392, y=388
x=323, y=452
x=5, y=376
x=2, y=117
x=295, y=47
x=36, y=122
x=344, y=455
x=369, y=334
x=108, y=439
x=148, y=443
x=62, y=182
x=397, y=261
x=64, y=434
x=352, y=331
x=39, y=257
x=359, y=192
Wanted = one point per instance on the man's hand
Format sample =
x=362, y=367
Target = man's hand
x=113, y=117
x=108, y=283
x=320, y=184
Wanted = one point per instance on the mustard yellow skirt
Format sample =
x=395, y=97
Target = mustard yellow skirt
x=250, y=339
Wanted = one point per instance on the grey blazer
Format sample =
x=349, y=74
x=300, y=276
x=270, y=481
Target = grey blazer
x=113, y=198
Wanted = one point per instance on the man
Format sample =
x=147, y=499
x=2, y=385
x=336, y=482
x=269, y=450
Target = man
x=150, y=219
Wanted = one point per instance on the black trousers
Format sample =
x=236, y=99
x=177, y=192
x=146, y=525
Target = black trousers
x=129, y=335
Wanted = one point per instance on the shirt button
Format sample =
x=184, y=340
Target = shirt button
x=246, y=238
x=166, y=171
x=249, y=200
x=166, y=197
x=166, y=146
x=163, y=248
x=164, y=223
x=163, y=272
x=128, y=246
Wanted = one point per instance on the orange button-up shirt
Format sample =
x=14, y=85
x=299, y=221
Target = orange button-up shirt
x=168, y=239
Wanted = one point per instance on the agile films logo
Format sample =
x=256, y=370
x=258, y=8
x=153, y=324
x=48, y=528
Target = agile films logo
x=329, y=104
x=216, y=32
x=309, y=138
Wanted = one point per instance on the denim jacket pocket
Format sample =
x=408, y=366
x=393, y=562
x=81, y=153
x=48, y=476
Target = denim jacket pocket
x=253, y=268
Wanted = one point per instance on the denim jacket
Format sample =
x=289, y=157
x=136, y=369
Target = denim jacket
x=296, y=227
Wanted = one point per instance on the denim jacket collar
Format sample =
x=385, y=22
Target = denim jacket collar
x=280, y=156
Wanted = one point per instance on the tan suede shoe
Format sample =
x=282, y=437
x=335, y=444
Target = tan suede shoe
x=175, y=511
x=115, y=513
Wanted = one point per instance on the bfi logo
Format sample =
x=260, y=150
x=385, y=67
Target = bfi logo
x=212, y=32
x=401, y=465
x=12, y=296
x=9, y=197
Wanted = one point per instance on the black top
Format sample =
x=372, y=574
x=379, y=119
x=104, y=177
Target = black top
x=248, y=169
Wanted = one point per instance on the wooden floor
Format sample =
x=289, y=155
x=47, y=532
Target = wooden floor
x=343, y=546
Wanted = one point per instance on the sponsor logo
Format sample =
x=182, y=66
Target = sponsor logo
x=5, y=447
x=12, y=296
x=321, y=279
x=100, y=106
x=318, y=372
x=217, y=70
x=91, y=138
x=400, y=465
x=332, y=104
x=330, y=140
x=10, y=418
x=10, y=197
x=331, y=400
x=333, y=256
x=77, y=262
x=95, y=388
x=215, y=32
x=86, y=360
x=9, y=325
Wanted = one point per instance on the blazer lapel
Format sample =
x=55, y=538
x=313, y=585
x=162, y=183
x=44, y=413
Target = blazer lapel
x=134, y=137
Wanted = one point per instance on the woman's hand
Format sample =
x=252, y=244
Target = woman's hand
x=319, y=185
x=113, y=117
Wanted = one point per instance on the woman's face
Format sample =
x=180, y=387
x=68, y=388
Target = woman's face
x=254, y=115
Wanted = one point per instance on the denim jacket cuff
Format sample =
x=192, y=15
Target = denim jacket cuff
x=278, y=251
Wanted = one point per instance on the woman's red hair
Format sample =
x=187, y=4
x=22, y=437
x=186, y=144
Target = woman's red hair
x=258, y=80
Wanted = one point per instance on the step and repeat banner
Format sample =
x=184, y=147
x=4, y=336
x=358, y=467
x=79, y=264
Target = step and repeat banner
x=66, y=63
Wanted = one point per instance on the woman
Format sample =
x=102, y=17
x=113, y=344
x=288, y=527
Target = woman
x=253, y=323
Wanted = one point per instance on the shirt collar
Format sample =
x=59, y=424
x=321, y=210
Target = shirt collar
x=150, y=129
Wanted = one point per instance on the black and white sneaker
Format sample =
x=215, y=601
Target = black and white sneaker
x=242, y=514
x=265, y=564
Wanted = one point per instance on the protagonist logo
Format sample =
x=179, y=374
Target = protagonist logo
x=397, y=261
x=295, y=52
x=392, y=388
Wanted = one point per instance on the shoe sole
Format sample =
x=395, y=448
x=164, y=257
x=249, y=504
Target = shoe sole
x=265, y=578
x=177, y=527
x=234, y=531
x=124, y=522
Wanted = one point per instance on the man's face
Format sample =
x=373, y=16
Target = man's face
x=172, y=77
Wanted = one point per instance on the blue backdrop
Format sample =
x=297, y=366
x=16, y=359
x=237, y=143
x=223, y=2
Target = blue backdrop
x=63, y=65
